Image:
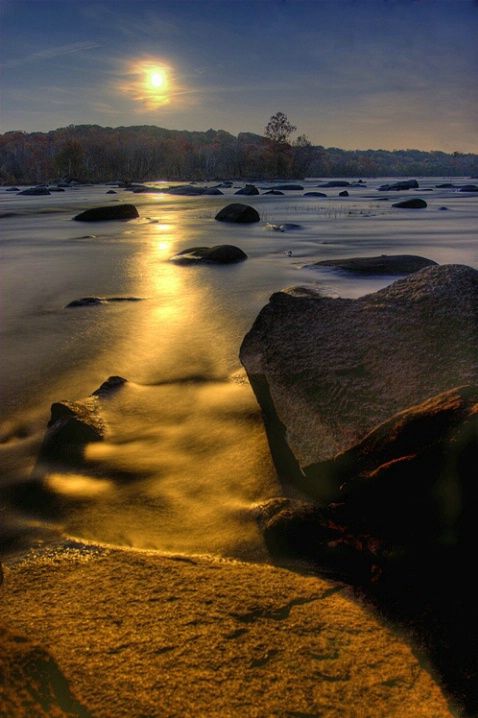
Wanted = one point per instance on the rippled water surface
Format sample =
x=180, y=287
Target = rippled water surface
x=185, y=459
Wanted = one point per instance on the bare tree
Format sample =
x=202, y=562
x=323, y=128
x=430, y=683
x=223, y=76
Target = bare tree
x=279, y=129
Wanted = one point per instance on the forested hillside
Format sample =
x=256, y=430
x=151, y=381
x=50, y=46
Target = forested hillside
x=90, y=153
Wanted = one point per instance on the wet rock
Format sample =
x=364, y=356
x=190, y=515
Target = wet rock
x=242, y=213
x=335, y=183
x=314, y=194
x=112, y=384
x=383, y=264
x=113, y=212
x=344, y=193
x=35, y=191
x=95, y=301
x=213, y=191
x=399, y=186
x=12, y=189
x=273, y=191
x=285, y=227
x=73, y=424
x=287, y=187
x=220, y=254
x=111, y=191
x=415, y=203
x=187, y=190
x=469, y=188
x=249, y=189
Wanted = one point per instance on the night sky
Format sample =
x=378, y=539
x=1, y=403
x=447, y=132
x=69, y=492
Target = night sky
x=355, y=74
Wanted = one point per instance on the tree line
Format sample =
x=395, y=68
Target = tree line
x=90, y=153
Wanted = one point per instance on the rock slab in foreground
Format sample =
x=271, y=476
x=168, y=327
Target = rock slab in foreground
x=167, y=636
x=327, y=371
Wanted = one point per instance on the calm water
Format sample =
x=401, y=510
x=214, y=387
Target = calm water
x=185, y=460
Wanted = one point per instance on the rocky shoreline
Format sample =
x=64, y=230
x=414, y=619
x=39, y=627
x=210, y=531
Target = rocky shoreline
x=371, y=411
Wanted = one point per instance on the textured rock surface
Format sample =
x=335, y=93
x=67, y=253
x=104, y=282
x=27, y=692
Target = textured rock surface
x=138, y=634
x=327, y=371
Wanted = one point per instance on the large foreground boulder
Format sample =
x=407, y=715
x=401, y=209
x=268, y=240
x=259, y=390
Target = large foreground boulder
x=327, y=371
x=242, y=213
x=102, y=214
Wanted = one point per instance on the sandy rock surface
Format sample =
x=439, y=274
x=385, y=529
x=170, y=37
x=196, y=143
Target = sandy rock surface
x=140, y=635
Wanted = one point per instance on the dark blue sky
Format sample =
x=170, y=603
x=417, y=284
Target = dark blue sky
x=356, y=74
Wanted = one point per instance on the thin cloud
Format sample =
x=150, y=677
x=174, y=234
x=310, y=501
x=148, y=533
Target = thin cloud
x=51, y=52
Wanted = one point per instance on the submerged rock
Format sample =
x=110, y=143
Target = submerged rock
x=188, y=190
x=95, y=301
x=285, y=227
x=220, y=254
x=399, y=186
x=112, y=212
x=35, y=191
x=335, y=183
x=242, y=213
x=286, y=187
x=383, y=264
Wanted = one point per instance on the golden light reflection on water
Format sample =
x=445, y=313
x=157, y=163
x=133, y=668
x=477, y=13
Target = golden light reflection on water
x=187, y=464
x=185, y=459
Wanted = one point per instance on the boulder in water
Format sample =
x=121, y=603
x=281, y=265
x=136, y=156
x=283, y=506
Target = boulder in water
x=220, y=254
x=383, y=264
x=241, y=213
x=112, y=212
x=415, y=203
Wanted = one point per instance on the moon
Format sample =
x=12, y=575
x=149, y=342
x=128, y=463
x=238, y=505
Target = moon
x=157, y=79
